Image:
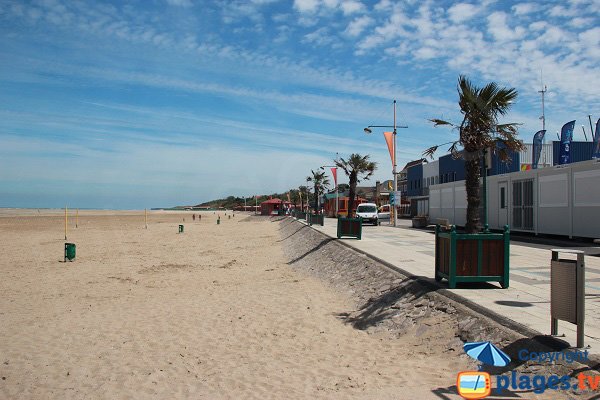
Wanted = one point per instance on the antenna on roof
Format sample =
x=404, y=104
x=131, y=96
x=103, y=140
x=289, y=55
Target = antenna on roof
x=543, y=92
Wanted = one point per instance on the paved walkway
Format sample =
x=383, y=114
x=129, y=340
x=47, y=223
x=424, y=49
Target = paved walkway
x=526, y=301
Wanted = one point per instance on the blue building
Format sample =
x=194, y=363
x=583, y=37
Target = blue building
x=579, y=151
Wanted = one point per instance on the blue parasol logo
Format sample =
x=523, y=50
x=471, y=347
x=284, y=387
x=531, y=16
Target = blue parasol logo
x=487, y=353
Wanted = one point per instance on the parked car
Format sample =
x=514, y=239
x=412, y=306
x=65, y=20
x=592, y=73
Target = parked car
x=384, y=212
x=368, y=213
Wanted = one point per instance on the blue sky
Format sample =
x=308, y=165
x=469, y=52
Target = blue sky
x=163, y=102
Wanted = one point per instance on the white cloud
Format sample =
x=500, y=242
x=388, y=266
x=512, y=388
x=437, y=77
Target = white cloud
x=498, y=27
x=351, y=6
x=462, y=12
x=320, y=37
x=524, y=8
x=590, y=38
x=561, y=11
x=425, y=53
x=581, y=22
x=358, y=25
x=306, y=6
x=383, y=5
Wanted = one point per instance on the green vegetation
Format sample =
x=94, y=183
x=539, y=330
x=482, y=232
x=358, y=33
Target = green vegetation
x=480, y=131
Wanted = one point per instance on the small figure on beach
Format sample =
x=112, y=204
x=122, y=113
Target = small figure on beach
x=193, y=217
x=199, y=217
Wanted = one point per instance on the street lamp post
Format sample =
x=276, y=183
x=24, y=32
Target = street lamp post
x=394, y=172
x=336, y=186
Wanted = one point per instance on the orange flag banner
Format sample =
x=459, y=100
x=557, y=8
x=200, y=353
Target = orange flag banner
x=389, y=139
x=334, y=173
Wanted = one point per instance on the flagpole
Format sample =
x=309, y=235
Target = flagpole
x=394, y=170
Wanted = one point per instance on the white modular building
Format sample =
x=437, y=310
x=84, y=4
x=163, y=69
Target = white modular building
x=560, y=200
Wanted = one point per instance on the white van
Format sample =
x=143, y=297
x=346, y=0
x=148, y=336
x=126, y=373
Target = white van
x=368, y=213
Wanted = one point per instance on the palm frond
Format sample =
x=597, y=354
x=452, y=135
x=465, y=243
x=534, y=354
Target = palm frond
x=430, y=151
x=438, y=122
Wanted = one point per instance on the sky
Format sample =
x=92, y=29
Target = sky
x=156, y=103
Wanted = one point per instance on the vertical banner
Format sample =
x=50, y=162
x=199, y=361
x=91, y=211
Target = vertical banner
x=566, y=136
x=538, y=139
x=334, y=173
x=596, y=151
x=389, y=139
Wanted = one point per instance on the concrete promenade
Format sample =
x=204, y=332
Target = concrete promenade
x=526, y=301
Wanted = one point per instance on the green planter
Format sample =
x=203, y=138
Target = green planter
x=349, y=227
x=474, y=257
x=301, y=215
x=316, y=219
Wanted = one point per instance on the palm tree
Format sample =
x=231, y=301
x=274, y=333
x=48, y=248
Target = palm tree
x=303, y=193
x=320, y=183
x=357, y=167
x=294, y=197
x=480, y=131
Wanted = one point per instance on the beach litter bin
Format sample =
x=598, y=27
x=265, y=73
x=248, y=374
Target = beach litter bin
x=218, y=221
x=567, y=291
x=180, y=228
x=69, y=251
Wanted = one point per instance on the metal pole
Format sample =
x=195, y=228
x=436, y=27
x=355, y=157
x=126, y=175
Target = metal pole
x=580, y=274
x=543, y=91
x=485, y=220
x=591, y=127
x=394, y=170
x=336, y=196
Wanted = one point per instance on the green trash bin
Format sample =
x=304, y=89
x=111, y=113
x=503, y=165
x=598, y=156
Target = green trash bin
x=69, y=251
x=180, y=228
x=218, y=221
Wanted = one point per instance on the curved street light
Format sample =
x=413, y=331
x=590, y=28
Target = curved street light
x=394, y=173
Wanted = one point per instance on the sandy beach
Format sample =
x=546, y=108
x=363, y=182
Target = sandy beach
x=215, y=312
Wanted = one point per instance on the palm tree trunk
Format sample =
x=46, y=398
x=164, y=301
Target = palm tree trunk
x=472, y=169
x=352, y=193
x=316, y=198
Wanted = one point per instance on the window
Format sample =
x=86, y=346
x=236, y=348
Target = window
x=502, y=197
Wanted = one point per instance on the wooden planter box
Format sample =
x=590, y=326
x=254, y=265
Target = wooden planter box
x=316, y=219
x=349, y=227
x=300, y=215
x=476, y=257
